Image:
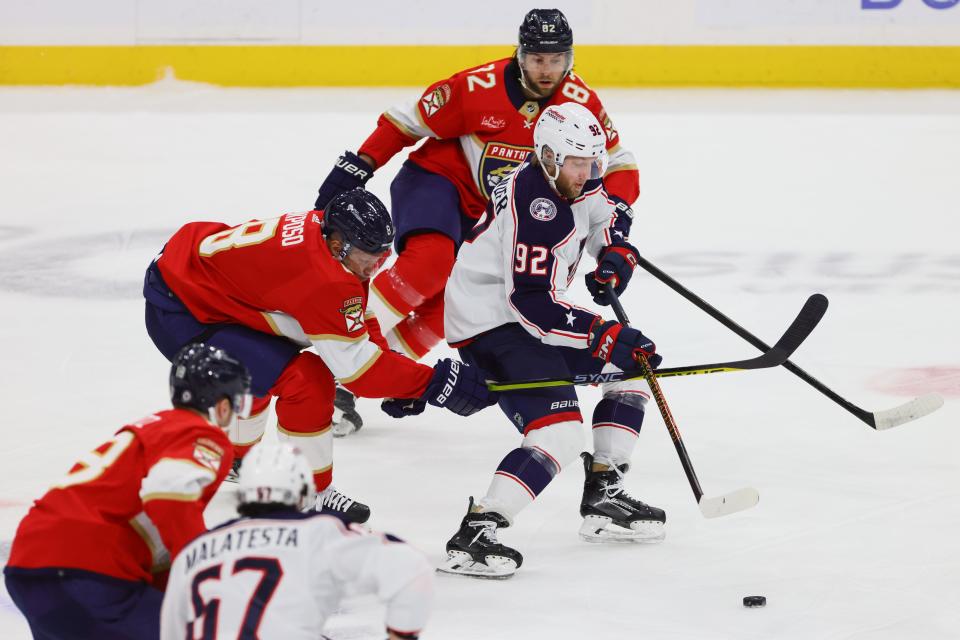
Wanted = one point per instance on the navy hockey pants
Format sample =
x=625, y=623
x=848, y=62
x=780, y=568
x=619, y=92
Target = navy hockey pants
x=510, y=353
x=69, y=604
x=171, y=326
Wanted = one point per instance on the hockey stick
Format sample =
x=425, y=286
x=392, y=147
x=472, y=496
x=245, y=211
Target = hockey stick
x=813, y=309
x=879, y=420
x=710, y=507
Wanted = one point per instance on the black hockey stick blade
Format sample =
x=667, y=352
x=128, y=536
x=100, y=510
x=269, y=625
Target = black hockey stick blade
x=801, y=327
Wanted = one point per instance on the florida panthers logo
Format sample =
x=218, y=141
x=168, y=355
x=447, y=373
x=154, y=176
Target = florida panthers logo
x=497, y=162
x=352, y=311
x=543, y=209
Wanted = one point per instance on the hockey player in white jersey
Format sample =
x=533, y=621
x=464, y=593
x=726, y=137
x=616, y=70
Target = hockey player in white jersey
x=507, y=310
x=276, y=572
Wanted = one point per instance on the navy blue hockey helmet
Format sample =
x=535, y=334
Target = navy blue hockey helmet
x=545, y=31
x=202, y=375
x=361, y=219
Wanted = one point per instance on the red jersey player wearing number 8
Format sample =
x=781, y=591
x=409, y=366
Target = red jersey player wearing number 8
x=479, y=128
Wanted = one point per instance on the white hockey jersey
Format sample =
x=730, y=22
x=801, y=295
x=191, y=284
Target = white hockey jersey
x=282, y=577
x=522, y=258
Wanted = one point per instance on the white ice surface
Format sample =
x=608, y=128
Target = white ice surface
x=752, y=199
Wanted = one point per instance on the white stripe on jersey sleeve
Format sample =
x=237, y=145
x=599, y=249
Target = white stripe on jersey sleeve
x=175, y=479
x=406, y=117
x=620, y=159
x=347, y=359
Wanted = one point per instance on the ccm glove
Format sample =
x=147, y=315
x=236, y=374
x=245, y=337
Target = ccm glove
x=459, y=387
x=350, y=172
x=615, y=343
x=615, y=265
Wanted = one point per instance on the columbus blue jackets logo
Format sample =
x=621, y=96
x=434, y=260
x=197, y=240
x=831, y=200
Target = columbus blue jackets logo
x=543, y=209
x=497, y=162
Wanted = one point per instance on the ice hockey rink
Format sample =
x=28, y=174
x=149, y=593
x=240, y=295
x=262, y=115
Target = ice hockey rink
x=752, y=199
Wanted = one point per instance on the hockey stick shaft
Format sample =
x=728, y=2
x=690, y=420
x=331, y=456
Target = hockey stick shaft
x=796, y=333
x=910, y=411
x=661, y=403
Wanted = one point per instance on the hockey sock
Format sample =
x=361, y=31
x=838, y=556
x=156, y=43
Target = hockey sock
x=305, y=392
x=418, y=333
x=420, y=272
x=246, y=432
x=616, y=425
x=519, y=479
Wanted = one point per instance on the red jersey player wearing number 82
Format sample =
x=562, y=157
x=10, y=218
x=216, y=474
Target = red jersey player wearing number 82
x=479, y=125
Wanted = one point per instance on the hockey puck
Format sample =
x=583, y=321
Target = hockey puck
x=754, y=601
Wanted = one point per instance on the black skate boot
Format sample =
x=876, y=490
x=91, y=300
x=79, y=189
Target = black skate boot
x=333, y=503
x=610, y=514
x=346, y=420
x=474, y=550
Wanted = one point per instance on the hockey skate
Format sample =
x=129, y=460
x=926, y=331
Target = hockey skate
x=474, y=550
x=346, y=420
x=333, y=503
x=610, y=514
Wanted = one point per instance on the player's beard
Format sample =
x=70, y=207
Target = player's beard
x=568, y=189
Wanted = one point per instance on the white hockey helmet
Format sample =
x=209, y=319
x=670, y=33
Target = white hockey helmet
x=276, y=472
x=569, y=130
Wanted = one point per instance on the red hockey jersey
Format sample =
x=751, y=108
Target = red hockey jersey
x=480, y=126
x=131, y=504
x=279, y=277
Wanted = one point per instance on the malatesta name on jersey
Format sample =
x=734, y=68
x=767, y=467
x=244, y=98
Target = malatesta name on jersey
x=211, y=547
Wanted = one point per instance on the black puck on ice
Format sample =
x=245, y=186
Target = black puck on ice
x=754, y=601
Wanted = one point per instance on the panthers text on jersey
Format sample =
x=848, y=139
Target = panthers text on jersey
x=282, y=575
x=130, y=504
x=278, y=276
x=480, y=127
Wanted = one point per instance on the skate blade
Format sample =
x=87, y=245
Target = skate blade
x=461, y=564
x=601, y=530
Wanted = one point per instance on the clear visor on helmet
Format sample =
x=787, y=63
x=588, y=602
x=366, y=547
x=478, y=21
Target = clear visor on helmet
x=541, y=61
x=363, y=262
x=597, y=165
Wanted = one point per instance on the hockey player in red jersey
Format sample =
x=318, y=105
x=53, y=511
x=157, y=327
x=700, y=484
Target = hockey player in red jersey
x=84, y=557
x=479, y=127
x=266, y=290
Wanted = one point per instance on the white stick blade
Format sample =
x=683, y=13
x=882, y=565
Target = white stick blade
x=729, y=503
x=916, y=408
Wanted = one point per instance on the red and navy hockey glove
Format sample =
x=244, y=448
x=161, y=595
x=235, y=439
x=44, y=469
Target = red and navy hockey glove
x=612, y=342
x=350, y=172
x=615, y=266
x=459, y=387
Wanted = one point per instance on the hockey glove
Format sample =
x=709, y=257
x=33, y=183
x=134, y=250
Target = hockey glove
x=613, y=342
x=350, y=172
x=403, y=407
x=615, y=265
x=459, y=387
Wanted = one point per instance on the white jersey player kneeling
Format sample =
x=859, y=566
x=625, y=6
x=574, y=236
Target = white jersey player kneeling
x=276, y=572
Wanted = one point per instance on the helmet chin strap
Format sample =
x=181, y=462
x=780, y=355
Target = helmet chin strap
x=552, y=179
